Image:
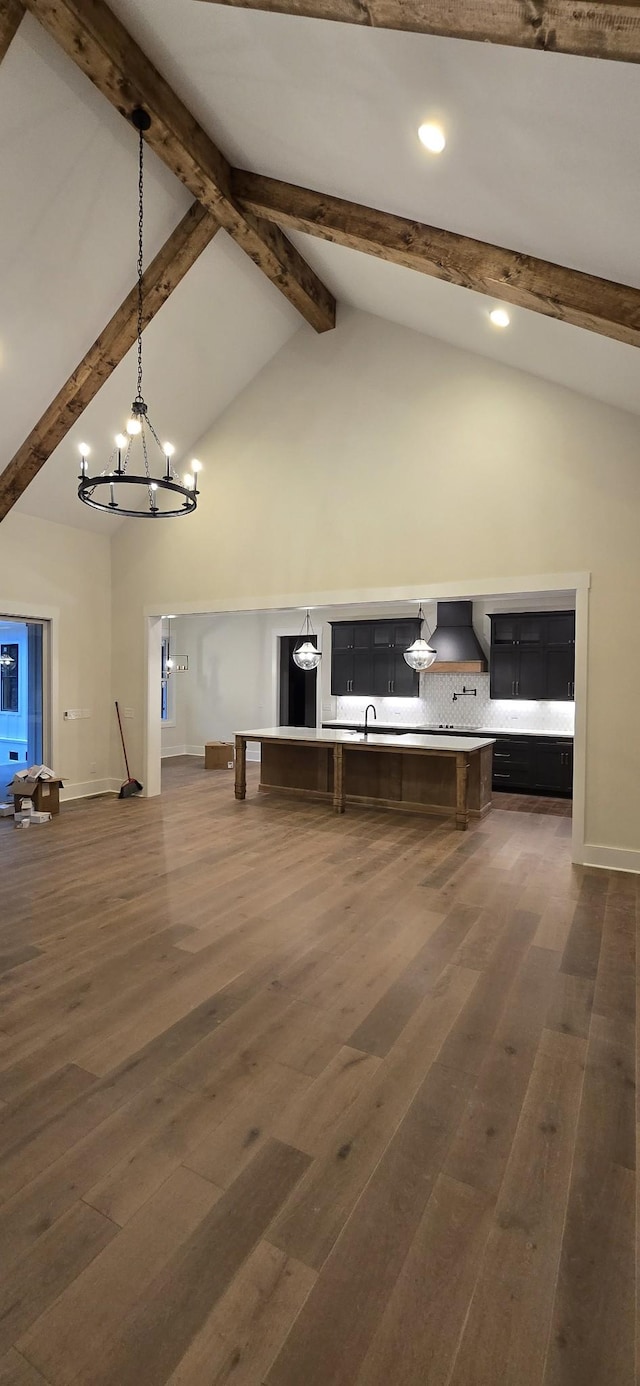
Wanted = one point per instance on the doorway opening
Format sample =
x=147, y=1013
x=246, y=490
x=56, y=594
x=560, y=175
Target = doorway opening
x=21, y=697
x=298, y=688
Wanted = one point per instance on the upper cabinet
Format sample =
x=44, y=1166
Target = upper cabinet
x=533, y=655
x=367, y=659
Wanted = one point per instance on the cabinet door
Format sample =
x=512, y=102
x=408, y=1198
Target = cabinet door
x=342, y=636
x=382, y=673
x=561, y=629
x=405, y=680
x=531, y=675
x=504, y=630
x=342, y=672
x=560, y=674
x=553, y=769
x=503, y=671
x=532, y=629
x=362, y=682
x=404, y=634
x=362, y=635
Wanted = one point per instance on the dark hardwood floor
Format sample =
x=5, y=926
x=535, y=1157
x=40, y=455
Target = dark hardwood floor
x=302, y=1100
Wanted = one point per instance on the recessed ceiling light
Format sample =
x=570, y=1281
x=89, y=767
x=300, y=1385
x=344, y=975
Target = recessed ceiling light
x=499, y=317
x=432, y=137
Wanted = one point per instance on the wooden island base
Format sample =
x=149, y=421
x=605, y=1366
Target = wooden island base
x=454, y=784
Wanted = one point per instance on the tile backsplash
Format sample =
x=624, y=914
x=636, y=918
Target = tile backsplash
x=436, y=704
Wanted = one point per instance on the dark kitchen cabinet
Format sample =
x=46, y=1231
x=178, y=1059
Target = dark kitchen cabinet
x=505, y=666
x=532, y=655
x=560, y=675
x=534, y=765
x=367, y=659
x=553, y=769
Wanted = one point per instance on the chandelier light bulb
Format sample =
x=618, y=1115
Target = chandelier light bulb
x=84, y=449
x=120, y=441
x=168, y=449
x=189, y=480
x=133, y=427
x=196, y=466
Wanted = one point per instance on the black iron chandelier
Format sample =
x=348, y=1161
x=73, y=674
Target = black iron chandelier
x=147, y=495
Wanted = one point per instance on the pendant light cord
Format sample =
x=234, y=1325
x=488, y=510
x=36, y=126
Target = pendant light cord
x=140, y=231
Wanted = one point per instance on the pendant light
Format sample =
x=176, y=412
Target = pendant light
x=420, y=655
x=305, y=655
x=136, y=490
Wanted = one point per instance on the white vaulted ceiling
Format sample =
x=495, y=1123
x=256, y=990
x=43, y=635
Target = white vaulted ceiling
x=542, y=156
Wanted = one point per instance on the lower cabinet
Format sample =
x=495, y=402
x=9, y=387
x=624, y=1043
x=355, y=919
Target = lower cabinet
x=538, y=765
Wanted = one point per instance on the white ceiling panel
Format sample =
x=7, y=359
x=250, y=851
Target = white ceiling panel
x=553, y=350
x=542, y=156
x=543, y=152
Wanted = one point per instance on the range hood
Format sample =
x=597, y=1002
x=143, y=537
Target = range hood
x=458, y=648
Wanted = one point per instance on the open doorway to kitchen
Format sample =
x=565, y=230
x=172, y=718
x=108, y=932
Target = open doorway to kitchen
x=298, y=692
x=21, y=697
x=239, y=677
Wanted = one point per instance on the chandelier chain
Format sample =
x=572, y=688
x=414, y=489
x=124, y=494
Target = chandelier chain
x=116, y=481
x=140, y=260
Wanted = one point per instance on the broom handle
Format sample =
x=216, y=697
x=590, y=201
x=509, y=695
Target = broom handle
x=124, y=749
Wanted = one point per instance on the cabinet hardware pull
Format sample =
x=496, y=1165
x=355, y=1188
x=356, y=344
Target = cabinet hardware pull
x=498, y=776
x=502, y=755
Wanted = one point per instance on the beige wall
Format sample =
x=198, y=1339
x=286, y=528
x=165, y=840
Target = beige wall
x=64, y=574
x=374, y=457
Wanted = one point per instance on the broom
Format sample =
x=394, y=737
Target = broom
x=130, y=785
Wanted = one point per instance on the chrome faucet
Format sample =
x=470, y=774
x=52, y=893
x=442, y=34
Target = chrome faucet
x=369, y=708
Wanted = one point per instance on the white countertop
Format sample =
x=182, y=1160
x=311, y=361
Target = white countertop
x=410, y=741
x=467, y=731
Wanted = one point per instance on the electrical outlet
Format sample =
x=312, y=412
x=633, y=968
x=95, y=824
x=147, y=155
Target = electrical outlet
x=128, y=712
x=71, y=714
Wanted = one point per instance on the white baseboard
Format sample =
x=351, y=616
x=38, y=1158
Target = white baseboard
x=89, y=787
x=611, y=858
x=173, y=751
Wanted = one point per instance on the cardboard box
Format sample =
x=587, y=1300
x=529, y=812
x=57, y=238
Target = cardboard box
x=22, y=823
x=218, y=755
x=40, y=817
x=44, y=794
x=6, y=810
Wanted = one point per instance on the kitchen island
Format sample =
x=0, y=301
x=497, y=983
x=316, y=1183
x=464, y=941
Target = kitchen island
x=450, y=776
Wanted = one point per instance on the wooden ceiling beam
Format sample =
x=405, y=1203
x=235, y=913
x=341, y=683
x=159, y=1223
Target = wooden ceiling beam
x=178, y=254
x=11, y=15
x=598, y=305
x=588, y=28
x=101, y=46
